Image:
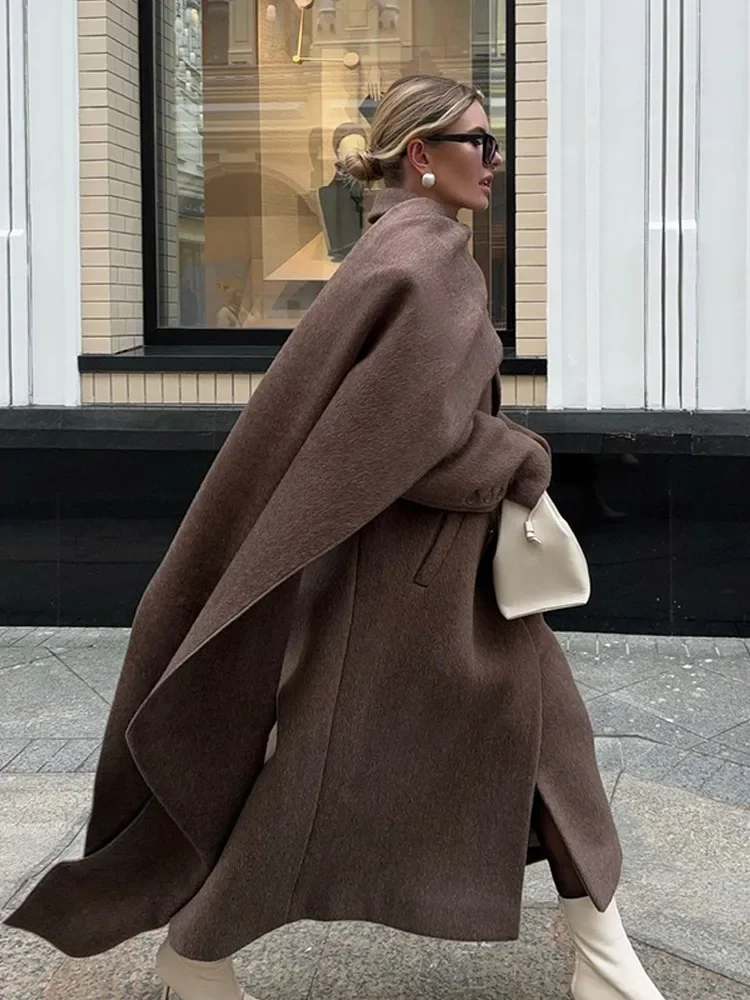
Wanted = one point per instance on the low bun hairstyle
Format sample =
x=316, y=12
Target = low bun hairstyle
x=362, y=166
x=415, y=107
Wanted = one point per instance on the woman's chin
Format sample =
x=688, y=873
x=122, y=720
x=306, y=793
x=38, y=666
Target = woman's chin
x=479, y=202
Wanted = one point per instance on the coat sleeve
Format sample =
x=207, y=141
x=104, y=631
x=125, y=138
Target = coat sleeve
x=528, y=432
x=495, y=459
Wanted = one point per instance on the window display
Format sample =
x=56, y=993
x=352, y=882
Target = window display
x=257, y=101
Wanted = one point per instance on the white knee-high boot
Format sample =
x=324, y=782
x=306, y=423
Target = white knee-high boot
x=607, y=968
x=191, y=980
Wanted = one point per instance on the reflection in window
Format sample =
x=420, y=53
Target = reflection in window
x=256, y=102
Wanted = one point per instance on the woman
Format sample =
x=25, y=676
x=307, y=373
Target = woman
x=322, y=713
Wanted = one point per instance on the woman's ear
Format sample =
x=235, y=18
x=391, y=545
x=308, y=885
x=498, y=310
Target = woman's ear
x=416, y=153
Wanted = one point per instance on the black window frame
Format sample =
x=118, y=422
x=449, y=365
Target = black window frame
x=266, y=341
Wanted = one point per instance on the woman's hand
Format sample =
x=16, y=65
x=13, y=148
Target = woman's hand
x=493, y=457
x=532, y=478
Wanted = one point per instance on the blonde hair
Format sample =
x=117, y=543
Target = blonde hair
x=414, y=107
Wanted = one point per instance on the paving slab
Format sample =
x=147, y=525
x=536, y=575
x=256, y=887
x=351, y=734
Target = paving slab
x=38, y=816
x=731, y=667
x=71, y=756
x=587, y=693
x=27, y=964
x=729, y=646
x=365, y=962
x=368, y=962
x=98, y=666
x=34, y=756
x=14, y=656
x=705, y=646
x=681, y=793
x=282, y=965
x=686, y=879
x=45, y=700
x=730, y=783
x=623, y=752
x=91, y=763
x=10, y=749
x=84, y=637
x=696, y=699
x=611, y=716
x=609, y=780
x=681, y=980
x=572, y=641
x=538, y=887
x=609, y=753
x=37, y=636
x=712, y=775
x=692, y=770
x=351, y=962
x=669, y=645
x=737, y=738
x=13, y=633
x=613, y=668
x=714, y=748
x=64, y=637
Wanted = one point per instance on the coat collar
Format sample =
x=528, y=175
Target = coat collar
x=391, y=197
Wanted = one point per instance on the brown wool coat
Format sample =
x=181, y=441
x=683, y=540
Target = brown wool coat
x=322, y=713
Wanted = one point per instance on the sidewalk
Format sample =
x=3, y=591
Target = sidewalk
x=672, y=719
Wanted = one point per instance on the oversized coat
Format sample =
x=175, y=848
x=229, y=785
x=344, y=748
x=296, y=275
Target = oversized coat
x=321, y=713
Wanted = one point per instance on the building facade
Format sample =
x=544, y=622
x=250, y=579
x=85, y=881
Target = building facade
x=171, y=207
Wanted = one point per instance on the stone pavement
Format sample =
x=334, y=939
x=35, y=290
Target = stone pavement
x=672, y=719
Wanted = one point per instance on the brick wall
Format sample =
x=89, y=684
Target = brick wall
x=111, y=277
x=190, y=388
x=531, y=178
x=216, y=388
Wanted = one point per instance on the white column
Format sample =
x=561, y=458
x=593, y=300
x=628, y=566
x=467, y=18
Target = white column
x=690, y=274
x=649, y=206
x=672, y=204
x=668, y=105
x=655, y=262
x=597, y=203
x=53, y=142
x=5, y=219
x=14, y=287
x=724, y=200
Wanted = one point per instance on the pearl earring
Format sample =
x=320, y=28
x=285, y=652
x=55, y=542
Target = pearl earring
x=429, y=180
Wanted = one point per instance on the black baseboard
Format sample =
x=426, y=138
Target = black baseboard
x=90, y=499
x=203, y=428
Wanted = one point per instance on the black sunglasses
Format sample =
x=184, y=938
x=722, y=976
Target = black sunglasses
x=489, y=144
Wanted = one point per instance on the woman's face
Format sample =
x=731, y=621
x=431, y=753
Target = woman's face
x=462, y=179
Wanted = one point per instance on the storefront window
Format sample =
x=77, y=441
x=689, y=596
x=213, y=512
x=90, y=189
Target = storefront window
x=255, y=102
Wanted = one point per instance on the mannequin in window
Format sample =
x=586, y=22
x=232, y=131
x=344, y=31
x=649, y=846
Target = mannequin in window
x=341, y=201
x=232, y=313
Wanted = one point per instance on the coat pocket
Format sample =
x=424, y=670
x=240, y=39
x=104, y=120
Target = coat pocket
x=445, y=535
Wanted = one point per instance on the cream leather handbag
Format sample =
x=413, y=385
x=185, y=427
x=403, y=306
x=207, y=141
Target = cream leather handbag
x=539, y=565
